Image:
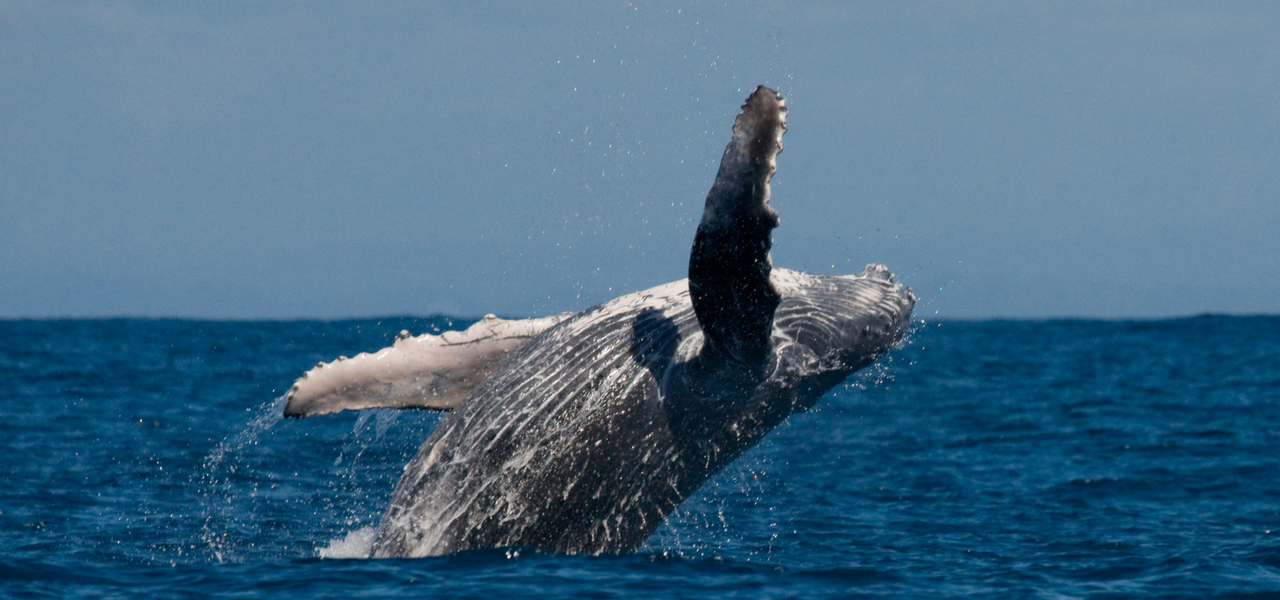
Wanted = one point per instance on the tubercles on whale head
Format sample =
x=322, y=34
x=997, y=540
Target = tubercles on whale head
x=876, y=271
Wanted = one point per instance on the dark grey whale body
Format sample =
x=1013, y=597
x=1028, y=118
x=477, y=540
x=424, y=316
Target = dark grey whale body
x=583, y=437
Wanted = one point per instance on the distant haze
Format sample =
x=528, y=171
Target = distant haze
x=315, y=159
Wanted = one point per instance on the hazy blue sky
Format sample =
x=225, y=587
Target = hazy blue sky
x=313, y=159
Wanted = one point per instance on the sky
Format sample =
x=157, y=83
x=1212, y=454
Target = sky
x=245, y=160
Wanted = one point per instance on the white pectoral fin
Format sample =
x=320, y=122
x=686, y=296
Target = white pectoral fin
x=426, y=371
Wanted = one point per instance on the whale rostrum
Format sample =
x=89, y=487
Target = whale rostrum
x=580, y=433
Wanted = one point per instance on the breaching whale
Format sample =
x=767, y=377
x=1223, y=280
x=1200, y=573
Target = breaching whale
x=580, y=433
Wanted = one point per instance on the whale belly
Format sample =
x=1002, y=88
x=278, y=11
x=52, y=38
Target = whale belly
x=566, y=450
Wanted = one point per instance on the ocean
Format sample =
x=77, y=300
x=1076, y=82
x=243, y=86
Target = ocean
x=986, y=459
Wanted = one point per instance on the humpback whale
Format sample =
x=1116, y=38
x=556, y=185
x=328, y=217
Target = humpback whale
x=579, y=433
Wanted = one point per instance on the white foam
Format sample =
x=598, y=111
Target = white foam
x=357, y=544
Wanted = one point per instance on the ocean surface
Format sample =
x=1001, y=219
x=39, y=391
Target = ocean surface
x=994, y=459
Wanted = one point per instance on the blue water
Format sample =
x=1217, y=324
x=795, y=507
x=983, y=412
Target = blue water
x=145, y=458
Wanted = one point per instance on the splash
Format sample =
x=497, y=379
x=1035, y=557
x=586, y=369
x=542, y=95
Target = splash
x=217, y=477
x=701, y=528
x=356, y=544
x=277, y=492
